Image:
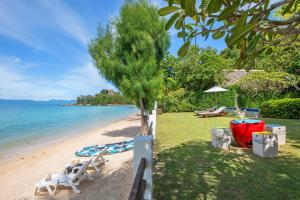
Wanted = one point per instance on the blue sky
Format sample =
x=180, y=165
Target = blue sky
x=43, y=47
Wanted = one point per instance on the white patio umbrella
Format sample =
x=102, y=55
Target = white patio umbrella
x=215, y=89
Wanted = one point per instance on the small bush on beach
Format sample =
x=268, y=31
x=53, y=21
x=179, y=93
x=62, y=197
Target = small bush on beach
x=287, y=108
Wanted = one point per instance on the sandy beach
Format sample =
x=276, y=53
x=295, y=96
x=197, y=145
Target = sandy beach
x=19, y=173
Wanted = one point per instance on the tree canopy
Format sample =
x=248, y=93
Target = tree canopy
x=129, y=50
x=244, y=24
x=267, y=81
x=201, y=69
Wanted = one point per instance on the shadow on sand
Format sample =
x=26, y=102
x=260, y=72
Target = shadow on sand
x=129, y=132
x=195, y=170
x=114, y=184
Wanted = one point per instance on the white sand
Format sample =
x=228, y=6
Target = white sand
x=17, y=177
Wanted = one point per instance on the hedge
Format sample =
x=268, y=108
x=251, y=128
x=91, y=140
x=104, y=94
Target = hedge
x=247, y=99
x=287, y=108
x=182, y=101
x=202, y=100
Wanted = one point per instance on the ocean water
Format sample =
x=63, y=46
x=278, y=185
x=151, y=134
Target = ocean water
x=24, y=125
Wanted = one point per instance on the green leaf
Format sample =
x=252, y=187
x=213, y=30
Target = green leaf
x=171, y=2
x=228, y=11
x=182, y=4
x=207, y=34
x=243, y=49
x=167, y=10
x=266, y=4
x=288, y=7
x=240, y=33
x=253, y=43
x=214, y=6
x=189, y=27
x=218, y=35
x=190, y=7
x=184, y=49
x=171, y=21
x=203, y=6
x=269, y=50
x=180, y=34
x=210, y=21
x=179, y=22
x=241, y=21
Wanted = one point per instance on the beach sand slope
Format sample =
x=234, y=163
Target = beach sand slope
x=17, y=177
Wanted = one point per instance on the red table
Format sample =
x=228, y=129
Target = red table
x=242, y=130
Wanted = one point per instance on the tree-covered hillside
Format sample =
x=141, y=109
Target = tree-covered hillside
x=105, y=97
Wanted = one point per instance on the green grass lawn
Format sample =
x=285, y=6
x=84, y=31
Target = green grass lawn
x=188, y=167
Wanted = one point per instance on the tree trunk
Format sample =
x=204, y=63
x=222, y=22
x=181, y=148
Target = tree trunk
x=143, y=117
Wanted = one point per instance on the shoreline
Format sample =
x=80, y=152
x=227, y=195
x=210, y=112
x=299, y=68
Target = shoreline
x=19, y=173
x=29, y=146
x=98, y=105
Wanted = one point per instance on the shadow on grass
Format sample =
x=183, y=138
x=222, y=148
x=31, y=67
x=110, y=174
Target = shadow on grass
x=195, y=170
x=129, y=132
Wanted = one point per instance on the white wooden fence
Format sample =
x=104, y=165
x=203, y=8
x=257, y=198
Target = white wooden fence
x=143, y=151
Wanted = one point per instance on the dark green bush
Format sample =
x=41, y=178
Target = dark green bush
x=287, y=108
x=251, y=100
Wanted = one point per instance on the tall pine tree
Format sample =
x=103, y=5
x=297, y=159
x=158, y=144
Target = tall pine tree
x=129, y=50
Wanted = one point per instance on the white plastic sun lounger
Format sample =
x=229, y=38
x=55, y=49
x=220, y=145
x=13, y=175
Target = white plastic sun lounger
x=97, y=159
x=217, y=112
x=72, y=179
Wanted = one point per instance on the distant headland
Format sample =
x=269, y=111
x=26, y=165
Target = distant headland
x=105, y=97
x=28, y=102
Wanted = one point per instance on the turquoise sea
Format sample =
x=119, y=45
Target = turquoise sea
x=24, y=124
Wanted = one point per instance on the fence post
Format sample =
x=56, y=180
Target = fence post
x=143, y=149
x=152, y=118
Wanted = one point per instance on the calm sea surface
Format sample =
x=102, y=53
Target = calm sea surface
x=23, y=125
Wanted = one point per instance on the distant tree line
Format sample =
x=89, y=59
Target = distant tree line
x=105, y=97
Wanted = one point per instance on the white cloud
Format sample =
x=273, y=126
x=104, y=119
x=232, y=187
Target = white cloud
x=68, y=20
x=27, y=22
x=16, y=83
x=84, y=80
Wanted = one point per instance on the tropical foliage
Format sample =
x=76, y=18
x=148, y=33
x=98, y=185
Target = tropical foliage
x=201, y=69
x=244, y=24
x=186, y=78
x=128, y=52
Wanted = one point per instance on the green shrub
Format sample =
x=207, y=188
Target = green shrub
x=287, y=108
x=177, y=101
